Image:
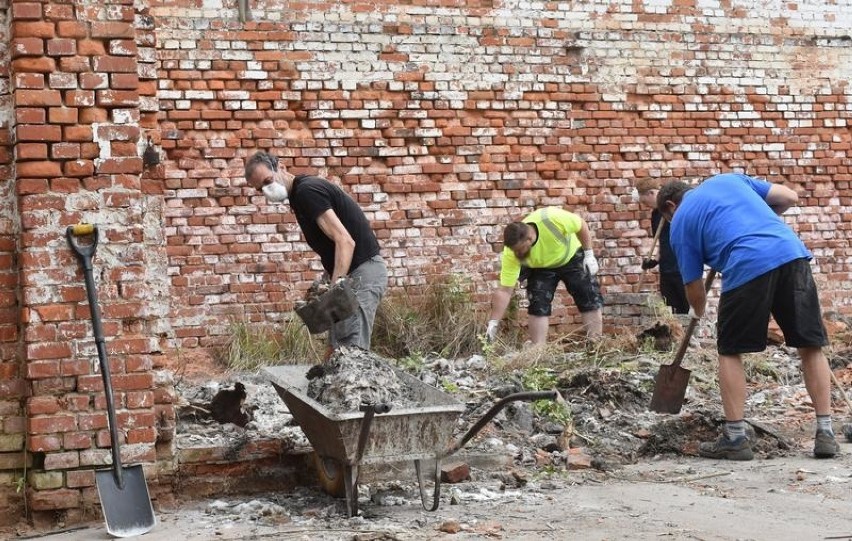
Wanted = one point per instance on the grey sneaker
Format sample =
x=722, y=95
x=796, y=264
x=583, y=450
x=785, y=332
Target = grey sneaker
x=825, y=446
x=736, y=449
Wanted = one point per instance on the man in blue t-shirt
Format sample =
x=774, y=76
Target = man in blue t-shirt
x=336, y=229
x=732, y=223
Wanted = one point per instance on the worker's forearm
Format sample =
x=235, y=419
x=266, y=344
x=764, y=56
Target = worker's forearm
x=343, y=253
x=585, y=236
x=500, y=301
x=696, y=296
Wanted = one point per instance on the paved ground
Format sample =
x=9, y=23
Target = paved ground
x=793, y=497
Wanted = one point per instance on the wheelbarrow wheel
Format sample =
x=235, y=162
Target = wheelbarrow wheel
x=331, y=473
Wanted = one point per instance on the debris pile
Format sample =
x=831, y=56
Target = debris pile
x=352, y=377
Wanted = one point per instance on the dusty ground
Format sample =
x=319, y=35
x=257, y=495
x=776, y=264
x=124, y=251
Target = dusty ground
x=794, y=498
x=606, y=469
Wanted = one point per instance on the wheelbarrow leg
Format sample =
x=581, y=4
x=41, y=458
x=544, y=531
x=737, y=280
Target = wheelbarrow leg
x=436, y=495
x=350, y=482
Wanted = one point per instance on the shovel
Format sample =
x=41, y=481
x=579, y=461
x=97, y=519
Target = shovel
x=672, y=379
x=122, y=490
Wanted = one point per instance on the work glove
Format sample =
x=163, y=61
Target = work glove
x=491, y=330
x=590, y=263
x=649, y=264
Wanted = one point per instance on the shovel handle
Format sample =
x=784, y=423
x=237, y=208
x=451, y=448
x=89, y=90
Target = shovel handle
x=693, y=322
x=84, y=252
x=651, y=252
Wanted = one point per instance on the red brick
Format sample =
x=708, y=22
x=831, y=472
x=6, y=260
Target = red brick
x=75, y=64
x=80, y=98
x=29, y=80
x=123, y=64
x=78, y=133
x=61, y=461
x=54, y=312
x=27, y=47
x=55, y=11
x=124, y=81
x=25, y=98
x=79, y=168
x=92, y=421
x=142, y=435
x=77, y=440
x=41, y=64
x=90, y=47
x=62, y=81
x=94, y=80
x=38, y=169
x=48, y=350
x=43, y=405
x=52, y=500
x=30, y=115
x=31, y=186
x=37, y=29
x=112, y=29
x=51, y=424
x=116, y=98
x=71, y=29
x=35, y=132
x=80, y=478
x=116, y=166
x=41, y=444
x=92, y=115
x=123, y=47
x=42, y=369
x=61, y=47
x=62, y=115
x=26, y=10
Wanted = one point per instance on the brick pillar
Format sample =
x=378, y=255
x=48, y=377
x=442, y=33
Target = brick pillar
x=13, y=386
x=78, y=132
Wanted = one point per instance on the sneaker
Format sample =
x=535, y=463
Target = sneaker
x=736, y=449
x=825, y=446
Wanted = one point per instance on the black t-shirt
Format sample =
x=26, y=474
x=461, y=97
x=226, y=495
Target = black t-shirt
x=668, y=262
x=310, y=197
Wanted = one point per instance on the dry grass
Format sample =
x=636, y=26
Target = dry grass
x=250, y=347
x=441, y=318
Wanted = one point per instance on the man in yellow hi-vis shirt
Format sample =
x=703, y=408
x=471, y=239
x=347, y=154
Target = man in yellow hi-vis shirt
x=548, y=246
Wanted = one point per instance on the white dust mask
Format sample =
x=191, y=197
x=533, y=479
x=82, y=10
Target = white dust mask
x=275, y=192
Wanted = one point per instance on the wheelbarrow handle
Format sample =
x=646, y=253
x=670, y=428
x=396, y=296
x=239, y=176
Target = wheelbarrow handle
x=369, y=410
x=529, y=396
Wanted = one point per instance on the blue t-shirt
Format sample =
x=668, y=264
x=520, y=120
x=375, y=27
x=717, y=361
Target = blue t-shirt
x=726, y=223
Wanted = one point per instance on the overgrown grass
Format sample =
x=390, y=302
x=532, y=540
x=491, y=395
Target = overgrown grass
x=441, y=318
x=250, y=347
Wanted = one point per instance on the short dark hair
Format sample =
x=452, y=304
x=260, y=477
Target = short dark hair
x=261, y=157
x=515, y=233
x=672, y=191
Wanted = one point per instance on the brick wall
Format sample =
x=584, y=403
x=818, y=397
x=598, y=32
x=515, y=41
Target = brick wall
x=83, y=100
x=445, y=120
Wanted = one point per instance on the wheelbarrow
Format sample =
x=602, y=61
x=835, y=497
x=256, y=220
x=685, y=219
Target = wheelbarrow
x=381, y=433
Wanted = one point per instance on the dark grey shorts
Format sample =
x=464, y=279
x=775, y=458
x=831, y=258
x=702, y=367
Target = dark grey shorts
x=541, y=287
x=789, y=294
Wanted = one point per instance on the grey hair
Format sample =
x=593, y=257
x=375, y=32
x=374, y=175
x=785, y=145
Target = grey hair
x=259, y=158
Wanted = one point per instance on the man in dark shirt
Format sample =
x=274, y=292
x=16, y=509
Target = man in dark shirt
x=337, y=230
x=671, y=283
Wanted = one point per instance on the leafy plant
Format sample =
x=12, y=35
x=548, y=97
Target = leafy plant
x=543, y=379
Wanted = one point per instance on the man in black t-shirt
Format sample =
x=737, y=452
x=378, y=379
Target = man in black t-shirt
x=337, y=230
x=671, y=283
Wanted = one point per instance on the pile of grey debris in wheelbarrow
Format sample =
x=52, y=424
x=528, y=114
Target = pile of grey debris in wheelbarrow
x=358, y=409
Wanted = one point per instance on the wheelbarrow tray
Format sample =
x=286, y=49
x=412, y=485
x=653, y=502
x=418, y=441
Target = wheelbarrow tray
x=404, y=433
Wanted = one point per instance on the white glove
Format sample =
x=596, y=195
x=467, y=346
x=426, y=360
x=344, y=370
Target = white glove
x=590, y=263
x=491, y=330
x=691, y=313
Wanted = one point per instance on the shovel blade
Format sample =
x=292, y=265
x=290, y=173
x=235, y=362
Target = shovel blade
x=669, y=389
x=127, y=510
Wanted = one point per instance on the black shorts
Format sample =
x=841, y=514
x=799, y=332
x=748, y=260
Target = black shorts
x=789, y=294
x=541, y=287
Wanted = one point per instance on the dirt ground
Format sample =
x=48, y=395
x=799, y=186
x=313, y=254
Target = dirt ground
x=794, y=497
x=607, y=469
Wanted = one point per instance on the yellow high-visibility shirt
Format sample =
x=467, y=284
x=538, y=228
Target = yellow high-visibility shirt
x=549, y=251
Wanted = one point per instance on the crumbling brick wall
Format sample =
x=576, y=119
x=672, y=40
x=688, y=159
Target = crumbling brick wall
x=82, y=100
x=448, y=121
x=445, y=121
